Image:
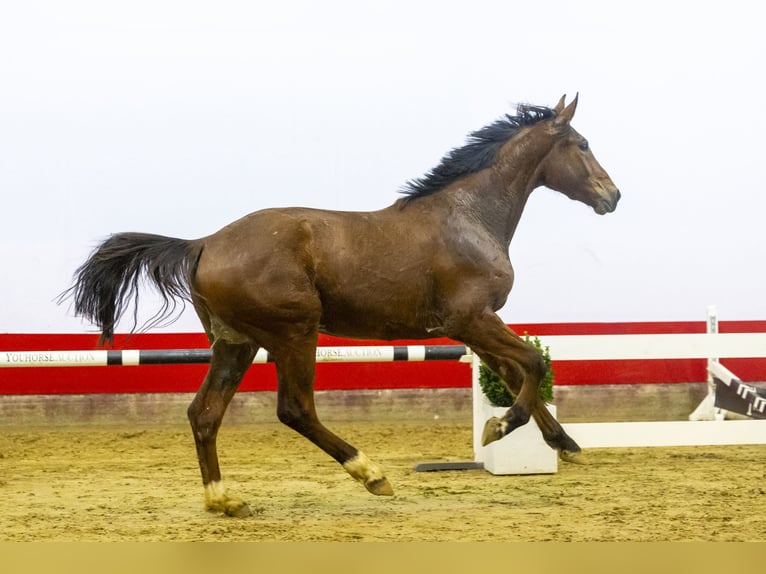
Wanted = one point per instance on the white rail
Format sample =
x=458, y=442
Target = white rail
x=711, y=346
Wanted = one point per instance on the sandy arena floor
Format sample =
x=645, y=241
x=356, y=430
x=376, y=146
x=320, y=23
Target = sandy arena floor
x=90, y=482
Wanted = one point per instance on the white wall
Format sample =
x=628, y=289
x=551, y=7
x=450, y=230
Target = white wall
x=178, y=117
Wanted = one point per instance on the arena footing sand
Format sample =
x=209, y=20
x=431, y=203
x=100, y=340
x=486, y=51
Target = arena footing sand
x=92, y=482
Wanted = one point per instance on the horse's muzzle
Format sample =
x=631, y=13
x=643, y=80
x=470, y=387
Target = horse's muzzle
x=608, y=204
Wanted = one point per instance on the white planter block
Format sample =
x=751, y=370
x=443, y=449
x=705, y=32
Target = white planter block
x=523, y=451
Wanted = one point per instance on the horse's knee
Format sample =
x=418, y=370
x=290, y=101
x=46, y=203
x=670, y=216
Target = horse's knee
x=293, y=414
x=194, y=408
x=529, y=366
x=204, y=424
x=534, y=363
x=192, y=413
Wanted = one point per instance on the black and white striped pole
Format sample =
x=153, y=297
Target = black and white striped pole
x=103, y=358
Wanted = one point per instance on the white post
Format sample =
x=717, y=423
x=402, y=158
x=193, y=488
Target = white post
x=712, y=329
x=478, y=417
x=706, y=410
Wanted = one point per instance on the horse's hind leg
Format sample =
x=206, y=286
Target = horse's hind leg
x=296, y=362
x=228, y=365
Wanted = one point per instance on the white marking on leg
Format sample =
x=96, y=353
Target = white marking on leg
x=219, y=500
x=362, y=468
x=368, y=473
x=215, y=495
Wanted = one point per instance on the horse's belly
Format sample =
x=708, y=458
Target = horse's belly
x=394, y=320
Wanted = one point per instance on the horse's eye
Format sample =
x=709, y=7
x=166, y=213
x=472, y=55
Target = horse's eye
x=584, y=145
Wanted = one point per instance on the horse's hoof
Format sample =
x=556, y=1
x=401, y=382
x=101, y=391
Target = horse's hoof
x=369, y=474
x=380, y=487
x=493, y=430
x=573, y=457
x=238, y=509
x=217, y=500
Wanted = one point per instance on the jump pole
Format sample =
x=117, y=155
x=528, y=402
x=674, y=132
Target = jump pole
x=563, y=348
x=107, y=358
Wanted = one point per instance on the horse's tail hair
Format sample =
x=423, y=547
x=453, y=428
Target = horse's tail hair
x=109, y=280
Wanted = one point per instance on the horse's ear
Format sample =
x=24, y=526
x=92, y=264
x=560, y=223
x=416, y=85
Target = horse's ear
x=565, y=116
x=560, y=105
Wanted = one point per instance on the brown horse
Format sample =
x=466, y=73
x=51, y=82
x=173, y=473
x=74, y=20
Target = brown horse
x=435, y=263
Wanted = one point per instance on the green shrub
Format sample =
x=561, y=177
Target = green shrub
x=496, y=391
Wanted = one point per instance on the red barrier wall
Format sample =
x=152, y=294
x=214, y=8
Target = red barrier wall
x=438, y=374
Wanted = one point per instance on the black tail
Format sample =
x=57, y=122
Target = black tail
x=111, y=277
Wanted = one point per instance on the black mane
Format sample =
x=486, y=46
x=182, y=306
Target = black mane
x=479, y=153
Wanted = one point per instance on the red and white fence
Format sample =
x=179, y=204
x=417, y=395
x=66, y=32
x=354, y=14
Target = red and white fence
x=594, y=350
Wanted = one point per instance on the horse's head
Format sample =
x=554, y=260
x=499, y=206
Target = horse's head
x=571, y=167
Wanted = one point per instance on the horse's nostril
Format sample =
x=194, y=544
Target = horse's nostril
x=617, y=196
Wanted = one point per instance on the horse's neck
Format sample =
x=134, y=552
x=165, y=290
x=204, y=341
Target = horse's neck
x=497, y=196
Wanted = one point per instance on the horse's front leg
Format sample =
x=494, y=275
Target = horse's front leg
x=555, y=436
x=552, y=431
x=522, y=368
x=295, y=407
x=514, y=374
x=227, y=367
